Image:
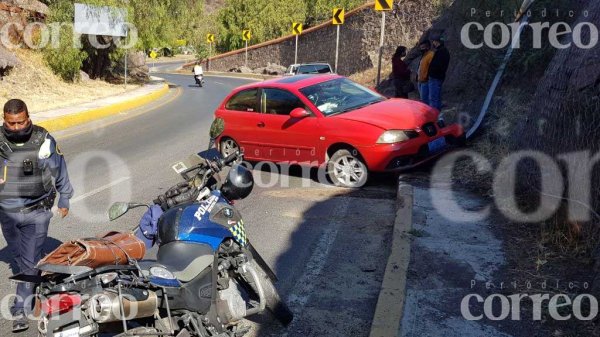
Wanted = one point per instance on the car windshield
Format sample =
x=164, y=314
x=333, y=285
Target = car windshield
x=340, y=95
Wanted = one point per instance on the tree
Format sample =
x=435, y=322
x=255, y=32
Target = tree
x=266, y=19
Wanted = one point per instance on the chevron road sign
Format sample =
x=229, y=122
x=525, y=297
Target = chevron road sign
x=246, y=35
x=338, y=16
x=296, y=28
x=383, y=5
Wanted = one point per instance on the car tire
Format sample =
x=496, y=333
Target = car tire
x=228, y=146
x=347, y=169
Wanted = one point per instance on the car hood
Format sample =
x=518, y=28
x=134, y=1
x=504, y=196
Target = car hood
x=393, y=114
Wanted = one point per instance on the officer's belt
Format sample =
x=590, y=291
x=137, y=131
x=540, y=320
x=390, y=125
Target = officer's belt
x=30, y=208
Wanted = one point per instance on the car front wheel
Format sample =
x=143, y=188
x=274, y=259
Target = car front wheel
x=228, y=146
x=347, y=169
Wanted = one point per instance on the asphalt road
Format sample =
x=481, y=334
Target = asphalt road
x=327, y=245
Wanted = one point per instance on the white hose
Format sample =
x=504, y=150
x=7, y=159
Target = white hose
x=524, y=19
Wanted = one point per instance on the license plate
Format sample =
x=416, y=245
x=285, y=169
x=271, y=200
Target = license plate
x=437, y=145
x=74, y=332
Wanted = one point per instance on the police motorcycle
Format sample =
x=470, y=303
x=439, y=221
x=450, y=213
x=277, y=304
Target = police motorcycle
x=200, y=277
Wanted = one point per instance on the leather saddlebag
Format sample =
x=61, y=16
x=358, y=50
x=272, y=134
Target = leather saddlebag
x=110, y=249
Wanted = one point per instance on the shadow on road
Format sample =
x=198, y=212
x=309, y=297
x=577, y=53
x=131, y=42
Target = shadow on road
x=331, y=271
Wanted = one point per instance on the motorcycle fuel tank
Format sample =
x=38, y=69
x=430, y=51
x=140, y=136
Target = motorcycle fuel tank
x=209, y=222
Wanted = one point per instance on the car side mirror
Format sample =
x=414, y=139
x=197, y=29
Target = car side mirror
x=299, y=113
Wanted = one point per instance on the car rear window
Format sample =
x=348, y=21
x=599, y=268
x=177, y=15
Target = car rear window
x=314, y=69
x=244, y=101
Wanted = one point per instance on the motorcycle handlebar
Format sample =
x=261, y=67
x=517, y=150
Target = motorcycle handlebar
x=183, y=193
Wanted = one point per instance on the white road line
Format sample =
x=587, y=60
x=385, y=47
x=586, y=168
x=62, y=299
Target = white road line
x=99, y=189
x=304, y=287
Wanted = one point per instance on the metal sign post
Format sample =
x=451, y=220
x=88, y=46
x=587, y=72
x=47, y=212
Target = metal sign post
x=126, y=54
x=382, y=6
x=381, y=47
x=296, y=30
x=296, y=52
x=246, y=35
x=338, y=20
x=337, y=48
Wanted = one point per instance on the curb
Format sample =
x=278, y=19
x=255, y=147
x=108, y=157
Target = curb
x=70, y=120
x=390, y=304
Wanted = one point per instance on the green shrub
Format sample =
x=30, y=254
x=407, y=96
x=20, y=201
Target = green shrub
x=66, y=60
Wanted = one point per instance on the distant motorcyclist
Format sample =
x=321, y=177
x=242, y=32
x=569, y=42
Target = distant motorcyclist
x=198, y=74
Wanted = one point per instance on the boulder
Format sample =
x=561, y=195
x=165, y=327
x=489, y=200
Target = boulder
x=274, y=69
x=7, y=60
x=83, y=76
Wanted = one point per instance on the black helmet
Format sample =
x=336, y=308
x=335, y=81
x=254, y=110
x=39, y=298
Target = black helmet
x=239, y=183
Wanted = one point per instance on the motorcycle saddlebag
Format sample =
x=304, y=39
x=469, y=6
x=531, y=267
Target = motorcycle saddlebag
x=112, y=248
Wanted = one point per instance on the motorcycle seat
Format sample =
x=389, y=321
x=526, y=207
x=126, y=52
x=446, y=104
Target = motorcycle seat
x=184, y=259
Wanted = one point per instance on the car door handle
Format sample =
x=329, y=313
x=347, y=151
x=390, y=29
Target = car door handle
x=261, y=124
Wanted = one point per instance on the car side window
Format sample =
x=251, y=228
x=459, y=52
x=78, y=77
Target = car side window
x=244, y=101
x=280, y=102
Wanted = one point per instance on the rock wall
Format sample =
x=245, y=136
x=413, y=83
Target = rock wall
x=359, y=40
x=18, y=12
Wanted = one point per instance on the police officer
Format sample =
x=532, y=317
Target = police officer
x=29, y=160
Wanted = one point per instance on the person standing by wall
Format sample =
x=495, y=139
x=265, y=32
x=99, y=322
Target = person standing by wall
x=437, y=71
x=401, y=73
x=423, y=73
x=30, y=160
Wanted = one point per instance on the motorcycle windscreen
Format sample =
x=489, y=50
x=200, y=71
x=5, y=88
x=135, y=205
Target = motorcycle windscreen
x=183, y=165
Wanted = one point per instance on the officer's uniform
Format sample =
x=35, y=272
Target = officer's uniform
x=27, y=194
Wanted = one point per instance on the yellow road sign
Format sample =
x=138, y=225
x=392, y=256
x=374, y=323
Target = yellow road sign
x=296, y=28
x=210, y=38
x=153, y=54
x=246, y=35
x=383, y=5
x=338, y=16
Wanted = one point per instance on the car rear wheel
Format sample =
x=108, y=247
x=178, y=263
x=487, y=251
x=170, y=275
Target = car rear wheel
x=347, y=169
x=228, y=146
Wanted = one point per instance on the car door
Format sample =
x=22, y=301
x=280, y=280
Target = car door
x=242, y=122
x=288, y=139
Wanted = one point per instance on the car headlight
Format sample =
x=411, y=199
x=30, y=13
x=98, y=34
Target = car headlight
x=396, y=136
x=162, y=273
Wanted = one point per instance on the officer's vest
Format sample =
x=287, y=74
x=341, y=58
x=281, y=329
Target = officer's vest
x=21, y=171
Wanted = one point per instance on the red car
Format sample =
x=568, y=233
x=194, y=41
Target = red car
x=331, y=120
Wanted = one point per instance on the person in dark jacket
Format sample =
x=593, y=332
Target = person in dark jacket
x=29, y=164
x=437, y=71
x=400, y=73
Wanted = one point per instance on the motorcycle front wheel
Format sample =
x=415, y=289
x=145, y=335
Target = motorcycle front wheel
x=274, y=303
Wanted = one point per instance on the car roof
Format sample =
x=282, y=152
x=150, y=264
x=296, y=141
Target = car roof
x=297, y=81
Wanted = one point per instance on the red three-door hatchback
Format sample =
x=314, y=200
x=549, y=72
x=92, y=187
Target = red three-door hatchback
x=330, y=120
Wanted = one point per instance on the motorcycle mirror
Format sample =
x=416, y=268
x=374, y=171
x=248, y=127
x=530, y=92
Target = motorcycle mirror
x=117, y=209
x=216, y=128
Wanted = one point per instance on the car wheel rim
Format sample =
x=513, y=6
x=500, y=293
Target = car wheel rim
x=229, y=147
x=349, y=171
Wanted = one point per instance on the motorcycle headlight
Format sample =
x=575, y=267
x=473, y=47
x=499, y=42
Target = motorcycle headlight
x=396, y=136
x=162, y=273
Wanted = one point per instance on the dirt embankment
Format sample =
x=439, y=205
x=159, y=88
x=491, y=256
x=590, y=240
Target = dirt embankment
x=33, y=82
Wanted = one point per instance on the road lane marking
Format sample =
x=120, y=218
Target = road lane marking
x=99, y=189
x=131, y=114
x=305, y=286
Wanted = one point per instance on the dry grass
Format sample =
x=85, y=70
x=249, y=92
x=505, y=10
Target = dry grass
x=33, y=82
